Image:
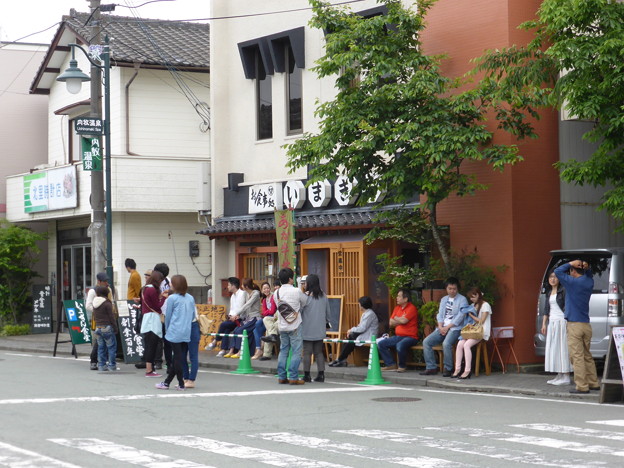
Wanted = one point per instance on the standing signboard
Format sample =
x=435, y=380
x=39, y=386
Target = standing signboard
x=42, y=309
x=131, y=342
x=77, y=322
x=612, y=385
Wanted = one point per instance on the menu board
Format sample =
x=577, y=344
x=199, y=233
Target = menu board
x=42, y=309
x=131, y=342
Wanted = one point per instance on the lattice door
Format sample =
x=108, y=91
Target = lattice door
x=346, y=275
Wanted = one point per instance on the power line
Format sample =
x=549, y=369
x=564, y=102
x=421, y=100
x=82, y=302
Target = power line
x=28, y=35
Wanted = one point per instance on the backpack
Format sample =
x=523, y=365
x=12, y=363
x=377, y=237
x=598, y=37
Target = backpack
x=286, y=311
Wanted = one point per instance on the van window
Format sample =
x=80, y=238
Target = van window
x=600, y=265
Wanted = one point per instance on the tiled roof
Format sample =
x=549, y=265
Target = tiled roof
x=150, y=41
x=224, y=226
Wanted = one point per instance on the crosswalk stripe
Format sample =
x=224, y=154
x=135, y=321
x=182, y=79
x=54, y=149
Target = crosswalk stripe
x=613, y=422
x=125, y=453
x=352, y=450
x=575, y=431
x=17, y=457
x=531, y=440
x=247, y=453
x=466, y=448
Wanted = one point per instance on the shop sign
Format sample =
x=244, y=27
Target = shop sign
x=285, y=232
x=52, y=189
x=91, y=154
x=294, y=194
x=343, y=189
x=88, y=126
x=618, y=338
x=77, y=323
x=42, y=309
x=319, y=193
x=265, y=198
x=131, y=343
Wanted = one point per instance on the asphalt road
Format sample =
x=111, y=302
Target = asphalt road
x=54, y=412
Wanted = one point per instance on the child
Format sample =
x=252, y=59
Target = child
x=105, y=329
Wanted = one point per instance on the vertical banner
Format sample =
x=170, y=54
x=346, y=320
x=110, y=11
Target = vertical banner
x=285, y=232
x=91, y=154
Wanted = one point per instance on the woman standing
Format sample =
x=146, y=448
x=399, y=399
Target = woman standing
x=363, y=331
x=315, y=316
x=192, y=355
x=480, y=312
x=151, y=323
x=268, y=308
x=557, y=358
x=179, y=314
x=248, y=316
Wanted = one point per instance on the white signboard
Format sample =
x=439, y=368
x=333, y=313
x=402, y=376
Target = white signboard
x=294, y=194
x=265, y=198
x=51, y=189
x=319, y=193
x=618, y=338
x=343, y=188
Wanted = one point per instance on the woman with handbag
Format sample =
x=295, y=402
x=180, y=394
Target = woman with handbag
x=315, y=316
x=248, y=316
x=557, y=357
x=363, y=331
x=480, y=313
x=151, y=323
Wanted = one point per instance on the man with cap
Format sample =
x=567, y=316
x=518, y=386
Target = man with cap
x=102, y=280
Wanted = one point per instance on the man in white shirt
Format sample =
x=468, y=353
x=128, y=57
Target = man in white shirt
x=290, y=330
x=237, y=300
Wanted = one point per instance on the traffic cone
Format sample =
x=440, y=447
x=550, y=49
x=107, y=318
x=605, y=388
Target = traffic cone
x=244, y=362
x=374, y=369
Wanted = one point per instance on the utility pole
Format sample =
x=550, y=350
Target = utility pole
x=98, y=219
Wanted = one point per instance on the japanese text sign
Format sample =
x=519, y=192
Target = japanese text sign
x=88, y=126
x=131, y=342
x=42, y=308
x=77, y=322
x=285, y=231
x=53, y=189
x=91, y=153
x=265, y=198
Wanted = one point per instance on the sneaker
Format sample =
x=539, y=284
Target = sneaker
x=189, y=384
x=180, y=389
x=102, y=369
x=553, y=381
x=221, y=353
x=152, y=374
x=113, y=368
x=265, y=358
x=162, y=386
x=94, y=366
x=211, y=346
x=562, y=381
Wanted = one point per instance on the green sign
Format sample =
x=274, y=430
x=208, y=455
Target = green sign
x=51, y=189
x=77, y=322
x=91, y=154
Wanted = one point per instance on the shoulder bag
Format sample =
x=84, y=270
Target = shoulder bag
x=286, y=311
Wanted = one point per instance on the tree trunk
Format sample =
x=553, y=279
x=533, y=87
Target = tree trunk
x=435, y=230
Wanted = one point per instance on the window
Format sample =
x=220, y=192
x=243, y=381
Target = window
x=73, y=150
x=293, y=93
x=264, y=100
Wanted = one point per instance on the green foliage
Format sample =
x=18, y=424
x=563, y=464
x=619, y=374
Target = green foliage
x=467, y=268
x=396, y=276
x=15, y=330
x=18, y=254
x=397, y=124
x=576, y=62
x=427, y=314
x=409, y=225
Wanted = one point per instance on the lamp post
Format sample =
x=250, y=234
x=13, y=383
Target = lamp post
x=73, y=78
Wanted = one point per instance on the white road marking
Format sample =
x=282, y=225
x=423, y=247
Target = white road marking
x=125, y=453
x=70, y=358
x=531, y=440
x=19, y=354
x=352, y=450
x=246, y=453
x=17, y=457
x=574, y=431
x=490, y=451
x=613, y=422
x=174, y=394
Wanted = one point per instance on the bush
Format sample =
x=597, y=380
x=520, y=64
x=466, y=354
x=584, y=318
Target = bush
x=15, y=330
x=427, y=314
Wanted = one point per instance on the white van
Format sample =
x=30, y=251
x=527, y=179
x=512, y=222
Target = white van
x=605, y=306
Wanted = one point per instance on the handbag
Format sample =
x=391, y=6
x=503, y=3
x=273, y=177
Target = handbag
x=472, y=332
x=286, y=311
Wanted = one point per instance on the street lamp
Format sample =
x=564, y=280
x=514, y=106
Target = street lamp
x=73, y=78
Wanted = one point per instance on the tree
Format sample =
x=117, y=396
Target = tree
x=575, y=61
x=397, y=125
x=18, y=254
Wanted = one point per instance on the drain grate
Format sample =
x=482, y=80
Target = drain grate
x=396, y=399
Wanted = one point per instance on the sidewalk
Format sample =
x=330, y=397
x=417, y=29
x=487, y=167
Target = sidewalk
x=508, y=383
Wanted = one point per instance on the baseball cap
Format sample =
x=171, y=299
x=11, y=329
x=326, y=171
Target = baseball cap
x=148, y=273
x=303, y=278
x=101, y=276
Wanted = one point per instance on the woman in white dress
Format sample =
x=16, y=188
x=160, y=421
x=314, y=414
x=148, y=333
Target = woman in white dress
x=556, y=358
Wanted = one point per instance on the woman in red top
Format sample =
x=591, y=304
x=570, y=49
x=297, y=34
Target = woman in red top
x=269, y=307
x=151, y=323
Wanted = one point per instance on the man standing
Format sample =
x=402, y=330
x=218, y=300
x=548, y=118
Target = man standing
x=101, y=280
x=134, y=282
x=451, y=318
x=404, y=320
x=290, y=331
x=577, y=279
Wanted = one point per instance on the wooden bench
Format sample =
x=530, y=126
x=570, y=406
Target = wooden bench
x=420, y=347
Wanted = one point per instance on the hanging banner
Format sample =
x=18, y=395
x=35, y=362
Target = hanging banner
x=91, y=154
x=285, y=232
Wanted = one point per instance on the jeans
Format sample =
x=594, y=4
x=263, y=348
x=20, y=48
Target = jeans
x=249, y=325
x=447, y=341
x=193, y=354
x=107, y=345
x=402, y=345
x=226, y=328
x=290, y=341
x=259, y=333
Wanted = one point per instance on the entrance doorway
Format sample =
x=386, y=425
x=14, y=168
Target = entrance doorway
x=75, y=271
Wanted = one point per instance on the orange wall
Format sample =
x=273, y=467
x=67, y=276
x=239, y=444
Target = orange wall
x=517, y=220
